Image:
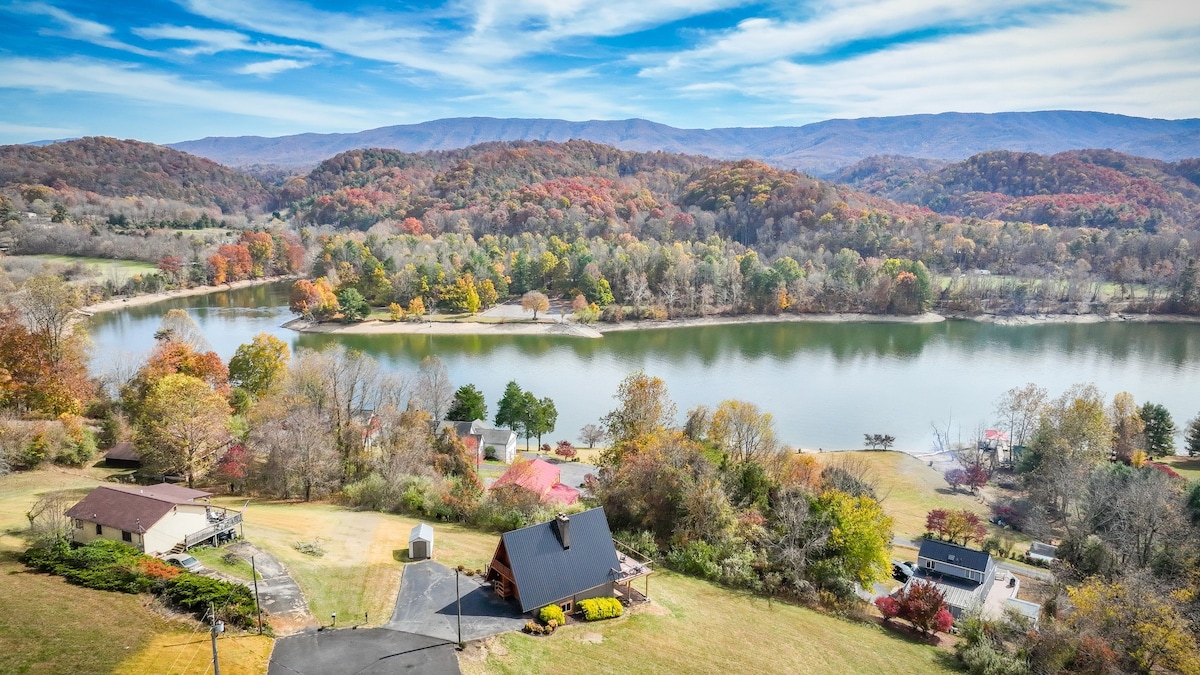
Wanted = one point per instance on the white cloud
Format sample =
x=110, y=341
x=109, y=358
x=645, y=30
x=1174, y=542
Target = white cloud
x=213, y=41
x=35, y=132
x=272, y=67
x=127, y=82
x=1135, y=59
x=76, y=28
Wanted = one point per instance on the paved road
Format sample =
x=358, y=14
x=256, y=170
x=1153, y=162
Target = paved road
x=426, y=605
x=569, y=473
x=373, y=650
x=278, y=594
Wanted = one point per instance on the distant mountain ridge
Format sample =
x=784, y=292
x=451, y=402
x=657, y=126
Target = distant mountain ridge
x=820, y=148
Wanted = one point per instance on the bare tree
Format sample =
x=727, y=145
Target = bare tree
x=48, y=305
x=297, y=450
x=743, y=432
x=535, y=301
x=48, y=521
x=1018, y=409
x=343, y=386
x=178, y=325
x=592, y=434
x=434, y=392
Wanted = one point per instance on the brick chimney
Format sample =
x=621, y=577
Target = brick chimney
x=562, y=528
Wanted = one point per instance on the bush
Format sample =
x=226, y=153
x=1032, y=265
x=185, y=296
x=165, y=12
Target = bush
x=595, y=609
x=697, y=558
x=552, y=613
x=234, y=602
x=641, y=541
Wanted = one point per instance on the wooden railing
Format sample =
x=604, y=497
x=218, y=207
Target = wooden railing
x=223, y=525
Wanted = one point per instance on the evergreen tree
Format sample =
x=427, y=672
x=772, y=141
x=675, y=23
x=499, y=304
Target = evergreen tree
x=510, y=410
x=1159, y=431
x=468, y=405
x=1192, y=441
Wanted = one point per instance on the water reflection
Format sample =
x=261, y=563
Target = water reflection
x=826, y=384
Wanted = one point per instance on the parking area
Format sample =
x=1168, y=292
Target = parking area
x=426, y=605
x=374, y=650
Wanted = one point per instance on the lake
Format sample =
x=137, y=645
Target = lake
x=826, y=384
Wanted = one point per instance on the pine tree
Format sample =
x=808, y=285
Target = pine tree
x=1192, y=442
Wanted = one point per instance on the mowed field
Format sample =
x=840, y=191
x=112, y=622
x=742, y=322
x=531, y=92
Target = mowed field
x=119, y=271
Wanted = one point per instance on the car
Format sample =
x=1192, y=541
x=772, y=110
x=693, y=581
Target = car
x=901, y=571
x=185, y=561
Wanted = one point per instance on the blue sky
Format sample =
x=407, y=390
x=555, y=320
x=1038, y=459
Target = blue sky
x=172, y=71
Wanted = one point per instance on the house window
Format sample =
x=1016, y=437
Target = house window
x=568, y=606
x=99, y=528
x=126, y=536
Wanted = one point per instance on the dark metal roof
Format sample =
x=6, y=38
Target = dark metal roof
x=123, y=451
x=545, y=572
x=954, y=554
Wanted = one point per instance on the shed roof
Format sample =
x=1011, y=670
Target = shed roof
x=422, y=532
x=123, y=451
x=954, y=554
x=545, y=572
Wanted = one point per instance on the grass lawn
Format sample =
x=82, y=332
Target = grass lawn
x=708, y=629
x=214, y=559
x=179, y=653
x=102, y=268
x=910, y=488
x=360, y=571
x=1188, y=467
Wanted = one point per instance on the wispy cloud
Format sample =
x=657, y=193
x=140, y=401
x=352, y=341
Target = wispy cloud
x=34, y=131
x=78, y=75
x=77, y=28
x=206, y=41
x=272, y=67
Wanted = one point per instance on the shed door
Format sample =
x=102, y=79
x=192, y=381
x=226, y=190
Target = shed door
x=420, y=549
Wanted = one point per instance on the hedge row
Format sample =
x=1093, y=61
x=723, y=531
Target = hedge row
x=113, y=566
x=595, y=609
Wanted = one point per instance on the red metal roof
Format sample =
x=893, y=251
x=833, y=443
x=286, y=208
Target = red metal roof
x=536, y=476
x=562, y=494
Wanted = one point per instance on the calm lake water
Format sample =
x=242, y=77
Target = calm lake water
x=825, y=384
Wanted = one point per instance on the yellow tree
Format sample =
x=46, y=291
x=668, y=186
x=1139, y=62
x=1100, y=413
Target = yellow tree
x=259, y=364
x=859, y=538
x=182, y=427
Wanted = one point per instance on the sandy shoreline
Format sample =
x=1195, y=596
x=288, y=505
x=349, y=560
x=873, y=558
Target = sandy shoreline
x=139, y=300
x=571, y=329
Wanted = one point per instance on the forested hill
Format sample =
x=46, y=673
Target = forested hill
x=116, y=168
x=569, y=189
x=819, y=148
x=1088, y=188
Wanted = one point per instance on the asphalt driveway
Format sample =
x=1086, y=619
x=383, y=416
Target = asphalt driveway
x=279, y=595
x=426, y=605
x=373, y=650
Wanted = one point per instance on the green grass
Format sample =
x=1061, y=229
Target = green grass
x=708, y=629
x=1188, y=467
x=214, y=559
x=909, y=489
x=100, y=268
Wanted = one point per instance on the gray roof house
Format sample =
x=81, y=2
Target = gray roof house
x=562, y=562
x=965, y=576
x=479, y=436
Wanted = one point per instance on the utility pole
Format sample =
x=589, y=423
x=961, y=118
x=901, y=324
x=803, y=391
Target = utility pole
x=257, y=608
x=458, y=602
x=217, y=627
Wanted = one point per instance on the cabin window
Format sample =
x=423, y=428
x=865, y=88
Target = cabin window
x=568, y=606
x=126, y=536
x=99, y=528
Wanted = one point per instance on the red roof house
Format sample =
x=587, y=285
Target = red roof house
x=539, y=477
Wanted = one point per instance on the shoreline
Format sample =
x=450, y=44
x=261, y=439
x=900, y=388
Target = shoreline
x=115, y=303
x=572, y=329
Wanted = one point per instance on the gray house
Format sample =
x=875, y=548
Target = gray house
x=965, y=576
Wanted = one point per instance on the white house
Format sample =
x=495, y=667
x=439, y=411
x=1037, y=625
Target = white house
x=155, y=519
x=479, y=436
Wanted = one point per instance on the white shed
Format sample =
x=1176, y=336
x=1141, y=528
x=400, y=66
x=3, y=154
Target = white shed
x=420, y=542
